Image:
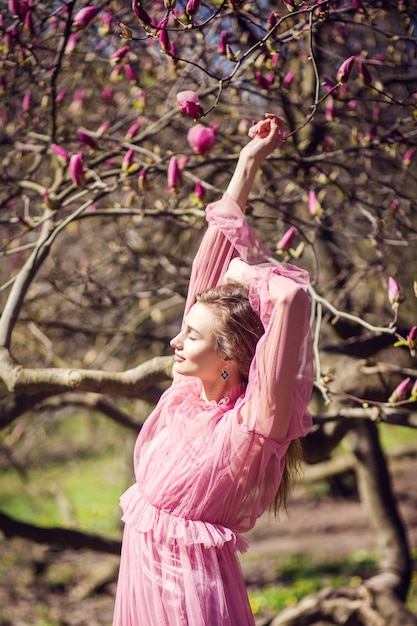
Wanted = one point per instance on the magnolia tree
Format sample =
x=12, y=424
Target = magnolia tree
x=118, y=123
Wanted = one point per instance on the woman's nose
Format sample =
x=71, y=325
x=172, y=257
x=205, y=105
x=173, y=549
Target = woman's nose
x=175, y=341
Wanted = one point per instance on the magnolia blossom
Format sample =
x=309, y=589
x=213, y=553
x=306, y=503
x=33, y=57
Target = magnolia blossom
x=86, y=138
x=408, y=155
x=163, y=36
x=189, y=103
x=364, y=73
x=412, y=340
x=272, y=20
x=264, y=82
x=343, y=73
x=314, y=207
x=119, y=55
x=288, y=78
x=143, y=184
x=287, y=239
x=192, y=7
x=71, y=43
x=84, y=16
x=128, y=160
x=140, y=13
x=400, y=392
x=60, y=152
x=103, y=128
x=131, y=74
x=174, y=175
x=134, y=129
x=201, y=138
x=222, y=45
x=394, y=293
x=199, y=191
x=29, y=28
x=27, y=101
x=76, y=169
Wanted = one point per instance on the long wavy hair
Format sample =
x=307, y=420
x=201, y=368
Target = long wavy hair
x=238, y=332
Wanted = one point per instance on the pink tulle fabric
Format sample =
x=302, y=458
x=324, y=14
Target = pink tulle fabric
x=205, y=471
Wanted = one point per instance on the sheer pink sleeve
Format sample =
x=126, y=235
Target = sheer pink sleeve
x=228, y=235
x=281, y=374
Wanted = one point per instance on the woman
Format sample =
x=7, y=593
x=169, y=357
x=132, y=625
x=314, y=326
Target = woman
x=212, y=455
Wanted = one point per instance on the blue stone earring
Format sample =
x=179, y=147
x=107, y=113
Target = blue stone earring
x=224, y=374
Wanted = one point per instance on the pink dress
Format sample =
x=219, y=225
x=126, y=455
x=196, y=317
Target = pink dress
x=205, y=472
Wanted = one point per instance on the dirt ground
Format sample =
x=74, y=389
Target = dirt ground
x=40, y=586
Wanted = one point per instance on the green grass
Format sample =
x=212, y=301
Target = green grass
x=76, y=472
x=301, y=576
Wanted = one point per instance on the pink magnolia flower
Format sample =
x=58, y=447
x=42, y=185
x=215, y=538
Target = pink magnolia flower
x=134, y=129
x=76, y=169
x=412, y=340
x=408, y=155
x=131, y=74
x=201, y=138
x=140, y=13
x=71, y=43
x=127, y=160
x=27, y=101
x=199, y=191
x=15, y=8
x=189, y=103
x=103, y=128
x=143, y=184
x=60, y=152
x=61, y=96
x=343, y=73
x=330, y=109
x=263, y=81
x=314, y=207
x=287, y=240
x=29, y=27
x=119, y=55
x=163, y=36
x=394, y=294
x=182, y=162
x=174, y=175
x=364, y=73
x=288, y=78
x=272, y=20
x=84, y=16
x=192, y=7
x=400, y=392
x=86, y=138
x=222, y=45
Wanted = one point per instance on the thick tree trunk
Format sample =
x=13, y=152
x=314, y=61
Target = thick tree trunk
x=376, y=493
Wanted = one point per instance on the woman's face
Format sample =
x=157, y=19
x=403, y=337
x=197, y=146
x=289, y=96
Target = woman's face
x=195, y=345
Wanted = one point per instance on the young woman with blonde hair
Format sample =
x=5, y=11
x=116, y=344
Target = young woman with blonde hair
x=223, y=440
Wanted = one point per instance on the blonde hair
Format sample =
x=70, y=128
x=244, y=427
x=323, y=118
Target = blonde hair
x=239, y=329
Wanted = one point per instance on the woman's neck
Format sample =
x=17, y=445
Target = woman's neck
x=219, y=389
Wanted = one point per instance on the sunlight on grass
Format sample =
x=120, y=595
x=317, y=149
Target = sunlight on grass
x=300, y=576
x=75, y=484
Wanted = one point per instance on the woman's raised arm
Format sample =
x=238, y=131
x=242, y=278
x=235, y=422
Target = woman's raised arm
x=228, y=234
x=267, y=137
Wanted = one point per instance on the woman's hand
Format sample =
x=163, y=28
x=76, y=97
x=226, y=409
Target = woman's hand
x=267, y=136
x=239, y=272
